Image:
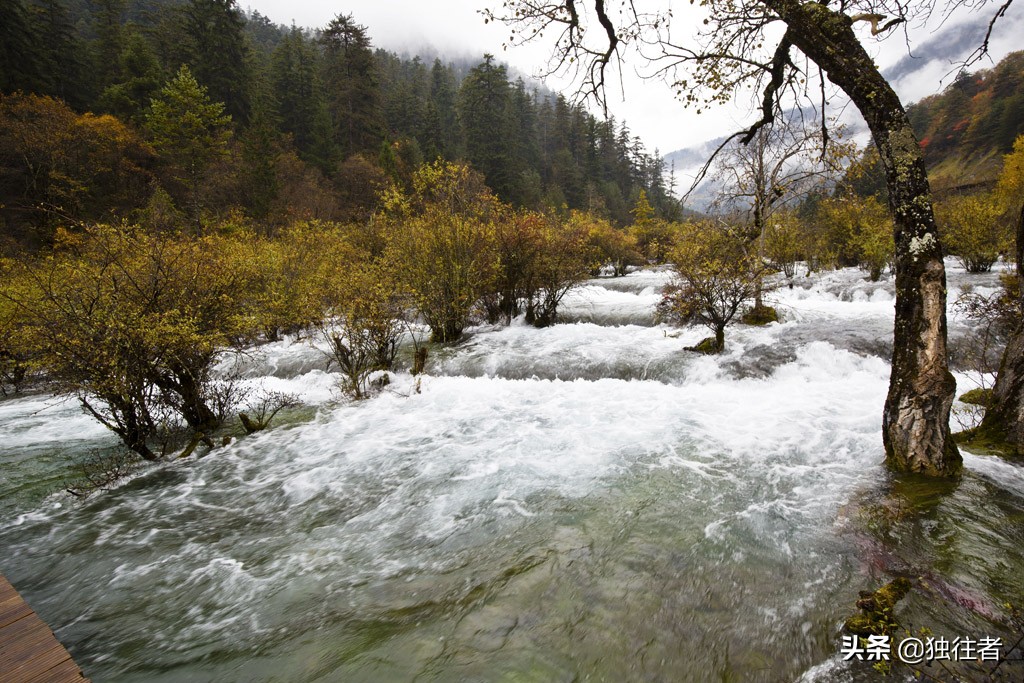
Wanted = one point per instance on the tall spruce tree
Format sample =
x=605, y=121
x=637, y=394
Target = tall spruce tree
x=352, y=95
x=108, y=45
x=442, y=105
x=483, y=107
x=296, y=89
x=190, y=132
x=62, y=53
x=218, y=53
x=259, y=162
x=138, y=79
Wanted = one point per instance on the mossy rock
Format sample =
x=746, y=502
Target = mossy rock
x=760, y=316
x=984, y=440
x=876, y=617
x=708, y=347
x=977, y=397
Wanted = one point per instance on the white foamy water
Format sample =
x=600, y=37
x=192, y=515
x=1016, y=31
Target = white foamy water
x=583, y=500
x=39, y=420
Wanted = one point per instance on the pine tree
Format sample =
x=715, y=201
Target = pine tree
x=21, y=65
x=442, y=100
x=297, y=92
x=139, y=78
x=483, y=107
x=259, y=163
x=190, y=132
x=353, y=99
x=217, y=53
x=61, y=51
x=522, y=120
x=109, y=44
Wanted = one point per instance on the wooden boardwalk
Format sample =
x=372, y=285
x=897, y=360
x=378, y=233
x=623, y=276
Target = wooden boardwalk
x=29, y=653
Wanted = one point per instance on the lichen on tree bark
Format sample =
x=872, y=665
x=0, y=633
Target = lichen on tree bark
x=915, y=423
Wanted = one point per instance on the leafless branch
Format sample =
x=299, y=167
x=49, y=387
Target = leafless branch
x=982, y=50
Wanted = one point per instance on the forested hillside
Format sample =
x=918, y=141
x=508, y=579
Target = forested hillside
x=297, y=122
x=965, y=130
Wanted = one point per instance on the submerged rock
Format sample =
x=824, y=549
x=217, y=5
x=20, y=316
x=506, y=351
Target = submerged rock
x=708, y=346
x=877, y=609
x=760, y=361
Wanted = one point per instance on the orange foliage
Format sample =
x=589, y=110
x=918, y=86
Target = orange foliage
x=58, y=166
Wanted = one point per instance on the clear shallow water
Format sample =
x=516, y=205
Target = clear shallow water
x=585, y=502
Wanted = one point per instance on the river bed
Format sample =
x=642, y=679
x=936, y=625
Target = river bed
x=583, y=502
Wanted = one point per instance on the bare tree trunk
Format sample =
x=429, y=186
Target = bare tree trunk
x=915, y=421
x=759, y=228
x=1004, y=419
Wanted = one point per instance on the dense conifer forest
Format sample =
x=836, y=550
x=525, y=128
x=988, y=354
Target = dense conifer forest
x=301, y=122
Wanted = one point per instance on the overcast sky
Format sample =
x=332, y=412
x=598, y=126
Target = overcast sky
x=455, y=28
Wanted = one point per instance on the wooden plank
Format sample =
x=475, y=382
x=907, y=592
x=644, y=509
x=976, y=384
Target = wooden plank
x=40, y=662
x=29, y=652
x=18, y=636
x=28, y=647
x=65, y=671
x=12, y=612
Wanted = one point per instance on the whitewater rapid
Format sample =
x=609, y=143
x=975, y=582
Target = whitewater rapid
x=587, y=499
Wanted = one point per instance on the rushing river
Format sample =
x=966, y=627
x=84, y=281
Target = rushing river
x=583, y=502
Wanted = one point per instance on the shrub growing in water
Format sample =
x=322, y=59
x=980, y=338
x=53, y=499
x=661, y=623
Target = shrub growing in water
x=132, y=324
x=441, y=242
x=562, y=263
x=974, y=230
x=867, y=228
x=715, y=276
x=367, y=324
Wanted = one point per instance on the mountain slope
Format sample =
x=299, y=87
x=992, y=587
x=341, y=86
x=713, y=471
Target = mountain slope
x=964, y=131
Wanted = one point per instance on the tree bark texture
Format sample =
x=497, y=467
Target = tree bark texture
x=921, y=389
x=1005, y=417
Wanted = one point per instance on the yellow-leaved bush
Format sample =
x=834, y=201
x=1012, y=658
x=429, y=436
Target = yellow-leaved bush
x=135, y=322
x=716, y=273
x=442, y=244
x=132, y=323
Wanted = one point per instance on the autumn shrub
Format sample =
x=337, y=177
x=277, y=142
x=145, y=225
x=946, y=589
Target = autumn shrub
x=264, y=407
x=101, y=470
x=14, y=354
x=303, y=192
x=785, y=242
x=57, y=166
x=865, y=226
x=654, y=237
x=562, y=262
x=298, y=274
x=608, y=245
x=715, y=275
x=1009, y=190
x=993, y=317
x=132, y=324
x=366, y=326
x=518, y=243
x=974, y=230
x=359, y=183
x=441, y=243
